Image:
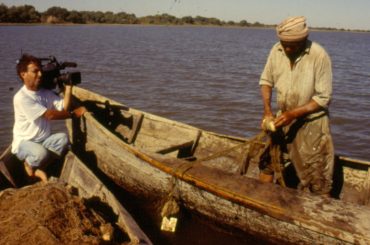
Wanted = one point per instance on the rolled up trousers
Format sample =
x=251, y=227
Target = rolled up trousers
x=36, y=154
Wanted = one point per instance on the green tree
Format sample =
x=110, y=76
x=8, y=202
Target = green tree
x=199, y=20
x=29, y=14
x=60, y=13
x=167, y=19
x=3, y=13
x=257, y=24
x=109, y=17
x=75, y=17
x=187, y=20
x=150, y=19
x=214, y=21
x=97, y=17
x=23, y=14
x=124, y=18
x=244, y=23
x=230, y=23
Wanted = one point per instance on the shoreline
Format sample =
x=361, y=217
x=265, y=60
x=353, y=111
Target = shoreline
x=318, y=29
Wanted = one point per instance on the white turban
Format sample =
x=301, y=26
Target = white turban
x=292, y=29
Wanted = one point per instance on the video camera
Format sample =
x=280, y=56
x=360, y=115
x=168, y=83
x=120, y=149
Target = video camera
x=51, y=75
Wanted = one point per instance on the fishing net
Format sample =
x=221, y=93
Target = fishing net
x=52, y=214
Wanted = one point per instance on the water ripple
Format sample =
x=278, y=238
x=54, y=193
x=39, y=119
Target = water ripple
x=207, y=77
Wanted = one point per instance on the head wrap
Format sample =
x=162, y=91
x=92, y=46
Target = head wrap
x=292, y=29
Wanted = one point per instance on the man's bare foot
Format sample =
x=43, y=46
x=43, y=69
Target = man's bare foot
x=42, y=175
x=29, y=170
x=35, y=173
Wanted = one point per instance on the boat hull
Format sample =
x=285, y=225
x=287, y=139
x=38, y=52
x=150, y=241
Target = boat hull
x=233, y=200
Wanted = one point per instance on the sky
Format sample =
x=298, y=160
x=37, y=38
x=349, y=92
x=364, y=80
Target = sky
x=347, y=14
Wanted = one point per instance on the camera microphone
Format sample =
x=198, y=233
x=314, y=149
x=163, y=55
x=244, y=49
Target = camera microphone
x=68, y=64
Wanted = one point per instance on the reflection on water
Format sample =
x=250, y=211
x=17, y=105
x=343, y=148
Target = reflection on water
x=204, y=76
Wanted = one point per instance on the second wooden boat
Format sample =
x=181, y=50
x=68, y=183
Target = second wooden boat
x=75, y=173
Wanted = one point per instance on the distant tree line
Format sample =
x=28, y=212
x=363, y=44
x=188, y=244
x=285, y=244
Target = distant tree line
x=58, y=15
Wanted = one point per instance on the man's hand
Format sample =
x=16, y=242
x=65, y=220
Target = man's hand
x=67, y=97
x=287, y=117
x=267, y=123
x=284, y=119
x=78, y=112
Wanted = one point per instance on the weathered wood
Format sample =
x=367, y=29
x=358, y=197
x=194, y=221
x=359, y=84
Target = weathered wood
x=78, y=175
x=353, y=161
x=129, y=132
x=154, y=136
x=214, y=188
x=5, y=158
x=176, y=147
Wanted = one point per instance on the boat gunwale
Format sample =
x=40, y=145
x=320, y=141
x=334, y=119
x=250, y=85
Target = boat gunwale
x=236, y=197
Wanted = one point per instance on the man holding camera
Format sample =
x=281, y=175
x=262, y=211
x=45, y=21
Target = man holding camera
x=34, y=107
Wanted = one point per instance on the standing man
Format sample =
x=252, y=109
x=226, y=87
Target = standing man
x=34, y=107
x=300, y=71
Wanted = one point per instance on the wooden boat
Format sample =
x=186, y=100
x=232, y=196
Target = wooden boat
x=78, y=175
x=151, y=156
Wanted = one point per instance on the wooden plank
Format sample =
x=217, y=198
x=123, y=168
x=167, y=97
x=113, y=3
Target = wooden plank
x=157, y=135
x=4, y=158
x=12, y=168
x=129, y=132
x=366, y=191
x=175, y=147
x=355, y=161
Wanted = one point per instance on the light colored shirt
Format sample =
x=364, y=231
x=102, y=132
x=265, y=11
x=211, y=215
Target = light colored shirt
x=29, y=107
x=310, y=77
x=311, y=146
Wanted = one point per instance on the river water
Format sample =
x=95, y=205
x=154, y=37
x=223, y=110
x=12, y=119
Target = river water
x=204, y=76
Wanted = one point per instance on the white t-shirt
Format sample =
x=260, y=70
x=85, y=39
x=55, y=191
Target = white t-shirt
x=29, y=106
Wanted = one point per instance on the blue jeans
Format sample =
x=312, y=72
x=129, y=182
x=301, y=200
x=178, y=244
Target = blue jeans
x=37, y=154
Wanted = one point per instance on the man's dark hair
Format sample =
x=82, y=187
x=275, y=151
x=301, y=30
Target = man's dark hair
x=24, y=61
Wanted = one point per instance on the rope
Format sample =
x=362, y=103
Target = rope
x=276, y=162
x=255, y=139
x=274, y=151
x=247, y=156
x=275, y=154
x=170, y=207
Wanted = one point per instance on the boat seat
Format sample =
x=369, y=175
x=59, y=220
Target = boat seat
x=185, y=150
x=173, y=148
x=129, y=131
x=118, y=118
